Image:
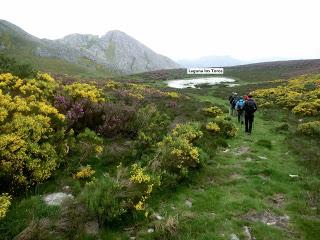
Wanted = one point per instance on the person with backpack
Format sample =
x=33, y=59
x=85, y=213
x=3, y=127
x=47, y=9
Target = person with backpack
x=232, y=100
x=239, y=107
x=249, y=108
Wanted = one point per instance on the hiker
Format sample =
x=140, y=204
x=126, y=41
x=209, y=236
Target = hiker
x=239, y=107
x=249, y=108
x=232, y=100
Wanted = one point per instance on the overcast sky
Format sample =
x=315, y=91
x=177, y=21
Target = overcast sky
x=244, y=29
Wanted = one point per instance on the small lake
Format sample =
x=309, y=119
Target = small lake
x=195, y=82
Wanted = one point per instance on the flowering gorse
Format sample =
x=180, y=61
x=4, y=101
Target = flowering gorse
x=5, y=202
x=301, y=95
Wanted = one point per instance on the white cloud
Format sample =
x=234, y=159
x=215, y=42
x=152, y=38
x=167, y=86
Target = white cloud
x=246, y=29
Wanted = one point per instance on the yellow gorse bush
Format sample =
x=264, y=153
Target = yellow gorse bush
x=142, y=181
x=84, y=91
x=85, y=173
x=176, y=152
x=138, y=175
x=112, y=84
x=28, y=125
x=213, y=111
x=213, y=127
x=301, y=94
x=310, y=128
x=5, y=202
x=173, y=95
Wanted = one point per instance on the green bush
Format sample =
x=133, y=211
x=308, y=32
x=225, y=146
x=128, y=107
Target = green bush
x=104, y=198
x=176, y=154
x=8, y=64
x=227, y=128
x=152, y=125
x=111, y=198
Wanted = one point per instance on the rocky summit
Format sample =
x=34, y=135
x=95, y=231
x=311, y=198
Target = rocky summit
x=115, y=51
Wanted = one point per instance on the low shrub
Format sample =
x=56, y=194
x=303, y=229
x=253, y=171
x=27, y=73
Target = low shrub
x=111, y=198
x=310, y=128
x=176, y=155
x=227, y=128
x=152, y=125
x=5, y=202
x=213, y=128
x=84, y=173
x=213, y=111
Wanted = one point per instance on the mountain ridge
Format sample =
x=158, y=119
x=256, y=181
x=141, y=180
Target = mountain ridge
x=114, y=51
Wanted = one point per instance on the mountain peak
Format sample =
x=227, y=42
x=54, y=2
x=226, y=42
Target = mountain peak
x=115, y=51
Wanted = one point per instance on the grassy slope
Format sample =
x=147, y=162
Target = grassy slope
x=224, y=191
x=232, y=186
x=251, y=73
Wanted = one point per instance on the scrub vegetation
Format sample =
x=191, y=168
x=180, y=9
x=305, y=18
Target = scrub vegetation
x=143, y=161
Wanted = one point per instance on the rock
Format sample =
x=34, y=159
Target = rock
x=150, y=230
x=293, y=175
x=188, y=203
x=278, y=199
x=56, y=199
x=234, y=237
x=91, y=228
x=158, y=217
x=269, y=218
x=242, y=150
x=247, y=233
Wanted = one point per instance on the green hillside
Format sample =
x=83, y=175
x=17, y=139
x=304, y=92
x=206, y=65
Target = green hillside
x=251, y=73
x=135, y=159
x=18, y=44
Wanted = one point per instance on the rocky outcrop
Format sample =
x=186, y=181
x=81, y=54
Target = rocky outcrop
x=115, y=51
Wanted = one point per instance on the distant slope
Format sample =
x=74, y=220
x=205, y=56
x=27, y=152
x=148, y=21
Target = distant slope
x=274, y=70
x=210, y=61
x=115, y=52
x=256, y=72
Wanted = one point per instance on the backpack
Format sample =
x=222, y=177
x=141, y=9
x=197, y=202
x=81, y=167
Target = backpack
x=231, y=98
x=234, y=102
x=240, y=105
x=250, y=106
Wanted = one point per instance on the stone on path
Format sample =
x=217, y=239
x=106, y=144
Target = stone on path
x=234, y=237
x=56, y=199
x=188, y=203
x=269, y=218
x=242, y=150
x=278, y=199
x=247, y=233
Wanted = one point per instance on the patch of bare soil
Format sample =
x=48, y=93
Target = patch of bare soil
x=268, y=218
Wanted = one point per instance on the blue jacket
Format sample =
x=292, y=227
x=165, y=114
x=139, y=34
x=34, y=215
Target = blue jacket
x=240, y=104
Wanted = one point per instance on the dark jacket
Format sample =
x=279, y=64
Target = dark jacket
x=250, y=106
